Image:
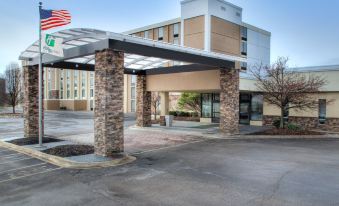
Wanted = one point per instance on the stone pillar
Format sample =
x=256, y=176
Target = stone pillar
x=229, y=101
x=164, y=103
x=108, y=111
x=143, y=103
x=31, y=102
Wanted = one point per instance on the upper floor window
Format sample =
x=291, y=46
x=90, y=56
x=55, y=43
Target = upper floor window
x=244, y=48
x=244, y=33
x=243, y=66
x=146, y=34
x=161, y=33
x=175, y=30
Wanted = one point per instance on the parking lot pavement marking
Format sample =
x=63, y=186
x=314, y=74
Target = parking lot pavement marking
x=22, y=168
x=13, y=177
x=169, y=147
x=5, y=156
x=7, y=152
x=17, y=160
x=12, y=157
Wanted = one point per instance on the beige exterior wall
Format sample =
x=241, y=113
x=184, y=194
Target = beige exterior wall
x=225, y=37
x=332, y=107
x=186, y=81
x=194, y=32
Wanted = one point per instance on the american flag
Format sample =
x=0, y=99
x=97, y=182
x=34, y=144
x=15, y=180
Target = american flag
x=54, y=18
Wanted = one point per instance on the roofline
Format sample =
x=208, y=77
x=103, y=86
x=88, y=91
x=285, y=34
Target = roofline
x=221, y=1
x=152, y=26
x=324, y=68
x=178, y=20
x=257, y=29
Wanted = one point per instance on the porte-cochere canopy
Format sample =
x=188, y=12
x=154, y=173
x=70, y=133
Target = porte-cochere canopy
x=111, y=55
x=141, y=55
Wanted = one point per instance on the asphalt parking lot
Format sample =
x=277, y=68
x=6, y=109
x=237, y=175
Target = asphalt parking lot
x=211, y=172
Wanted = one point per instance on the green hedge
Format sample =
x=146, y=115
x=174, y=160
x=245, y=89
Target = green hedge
x=183, y=114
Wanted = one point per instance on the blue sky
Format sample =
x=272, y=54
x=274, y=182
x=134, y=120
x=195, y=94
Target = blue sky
x=306, y=31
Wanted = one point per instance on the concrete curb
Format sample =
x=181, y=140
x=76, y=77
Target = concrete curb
x=66, y=163
x=310, y=137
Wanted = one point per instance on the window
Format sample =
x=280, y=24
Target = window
x=61, y=84
x=243, y=66
x=91, y=85
x=68, y=84
x=257, y=107
x=206, y=105
x=244, y=48
x=176, y=30
x=49, y=84
x=83, y=84
x=244, y=33
x=133, y=92
x=146, y=34
x=133, y=105
x=161, y=33
x=322, y=111
x=76, y=80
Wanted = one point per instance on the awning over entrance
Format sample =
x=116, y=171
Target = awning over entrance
x=111, y=55
x=141, y=55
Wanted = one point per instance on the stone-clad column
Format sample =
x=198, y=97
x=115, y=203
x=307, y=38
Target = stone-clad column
x=31, y=101
x=229, y=101
x=108, y=112
x=143, y=103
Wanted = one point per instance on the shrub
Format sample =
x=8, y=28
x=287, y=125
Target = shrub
x=276, y=123
x=293, y=127
x=184, y=114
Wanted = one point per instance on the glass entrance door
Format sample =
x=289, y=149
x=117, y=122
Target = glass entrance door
x=215, y=108
x=244, y=116
x=244, y=108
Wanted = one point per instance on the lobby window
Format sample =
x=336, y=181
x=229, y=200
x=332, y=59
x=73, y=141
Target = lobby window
x=244, y=33
x=91, y=85
x=161, y=33
x=76, y=82
x=68, y=84
x=61, y=84
x=257, y=107
x=146, y=34
x=133, y=92
x=244, y=48
x=206, y=105
x=83, y=84
x=322, y=111
x=49, y=83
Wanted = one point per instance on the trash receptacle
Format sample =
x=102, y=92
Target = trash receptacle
x=169, y=120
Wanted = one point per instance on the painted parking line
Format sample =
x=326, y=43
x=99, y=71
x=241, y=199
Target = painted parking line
x=20, y=168
x=169, y=147
x=19, y=175
x=16, y=160
x=12, y=156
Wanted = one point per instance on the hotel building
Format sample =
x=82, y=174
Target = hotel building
x=213, y=26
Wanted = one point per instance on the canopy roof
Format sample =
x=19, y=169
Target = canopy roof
x=141, y=54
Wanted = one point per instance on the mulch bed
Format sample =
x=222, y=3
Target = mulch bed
x=30, y=141
x=276, y=131
x=70, y=150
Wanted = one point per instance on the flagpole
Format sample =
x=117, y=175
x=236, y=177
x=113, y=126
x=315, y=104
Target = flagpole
x=40, y=80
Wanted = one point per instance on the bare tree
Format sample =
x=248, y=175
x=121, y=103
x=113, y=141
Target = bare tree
x=155, y=102
x=3, y=97
x=287, y=88
x=13, y=84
